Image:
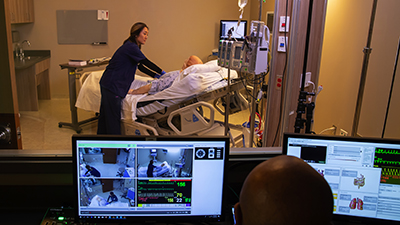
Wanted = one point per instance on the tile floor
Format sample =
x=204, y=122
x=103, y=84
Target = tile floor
x=40, y=131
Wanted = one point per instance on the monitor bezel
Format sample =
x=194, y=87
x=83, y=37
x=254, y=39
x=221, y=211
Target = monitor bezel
x=150, y=219
x=337, y=217
x=220, y=28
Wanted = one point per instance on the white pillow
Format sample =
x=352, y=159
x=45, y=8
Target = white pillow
x=211, y=66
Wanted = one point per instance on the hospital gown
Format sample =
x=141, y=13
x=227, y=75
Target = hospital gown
x=164, y=82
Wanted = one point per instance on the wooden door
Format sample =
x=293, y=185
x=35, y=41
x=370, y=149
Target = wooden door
x=107, y=184
x=109, y=155
x=9, y=112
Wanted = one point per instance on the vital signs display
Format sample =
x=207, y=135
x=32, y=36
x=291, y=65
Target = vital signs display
x=121, y=179
x=363, y=174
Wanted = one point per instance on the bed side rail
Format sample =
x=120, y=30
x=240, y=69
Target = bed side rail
x=191, y=120
x=130, y=127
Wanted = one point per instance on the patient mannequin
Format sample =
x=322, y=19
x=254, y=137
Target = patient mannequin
x=284, y=190
x=166, y=80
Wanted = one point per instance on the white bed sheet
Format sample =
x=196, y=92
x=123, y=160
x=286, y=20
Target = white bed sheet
x=166, y=170
x=185, y=86
x=98, y=201
x=89, y=96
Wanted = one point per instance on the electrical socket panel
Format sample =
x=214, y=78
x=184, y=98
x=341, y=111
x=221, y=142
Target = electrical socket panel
x=284, y=24
x=282, y=43
x=102, y=15
x=279, y=79
x=308, y=78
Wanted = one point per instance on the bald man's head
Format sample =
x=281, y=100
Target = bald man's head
x=192, y=60
x=284, y=190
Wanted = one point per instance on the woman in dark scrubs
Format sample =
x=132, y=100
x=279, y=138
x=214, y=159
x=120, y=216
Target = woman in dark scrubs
x=118, y=76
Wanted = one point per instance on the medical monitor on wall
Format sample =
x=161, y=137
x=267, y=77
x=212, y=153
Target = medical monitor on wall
x=363, y=173
x=121, y=179
x=239, y=32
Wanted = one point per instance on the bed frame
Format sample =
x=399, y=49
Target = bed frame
x=187, y=117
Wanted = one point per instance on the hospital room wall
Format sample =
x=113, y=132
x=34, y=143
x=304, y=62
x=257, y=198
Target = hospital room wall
x=178, y=29
x=346, y=32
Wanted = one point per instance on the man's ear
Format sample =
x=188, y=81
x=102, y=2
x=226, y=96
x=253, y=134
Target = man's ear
x=238, y=214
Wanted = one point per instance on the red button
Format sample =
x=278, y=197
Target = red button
x=278, y=85
x=279, y=80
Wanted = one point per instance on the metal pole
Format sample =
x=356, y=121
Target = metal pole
x=299, y=124
x=367, y=51
x=253, y=112
x=228, y=101
x=255, y=78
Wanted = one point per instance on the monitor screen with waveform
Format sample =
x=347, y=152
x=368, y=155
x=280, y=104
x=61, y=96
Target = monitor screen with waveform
x=388, y=159
x=125, y=179
x=363, y=173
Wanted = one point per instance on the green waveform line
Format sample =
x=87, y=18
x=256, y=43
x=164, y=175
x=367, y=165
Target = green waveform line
x=380, y=160
x=387, y=151
x=392, y=172
x=156, y=189
x=156, y=183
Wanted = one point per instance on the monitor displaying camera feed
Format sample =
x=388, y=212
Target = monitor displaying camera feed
x=128, y=178
x=238, y=32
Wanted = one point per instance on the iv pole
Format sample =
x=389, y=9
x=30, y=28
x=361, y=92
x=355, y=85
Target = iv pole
x=302, y=106
x=367, y=52
x=254, y=103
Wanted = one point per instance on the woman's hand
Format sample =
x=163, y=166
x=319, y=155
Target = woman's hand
x=132, y=92
x=142, y=90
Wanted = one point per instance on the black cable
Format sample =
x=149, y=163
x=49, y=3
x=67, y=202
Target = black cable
x=301, y=108
x=245, y=86
x=233, y=191
x=391, y=89
x=248, y=92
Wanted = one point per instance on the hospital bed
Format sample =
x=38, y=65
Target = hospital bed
x=98, y=201
x=160, y=171
x=177, y=110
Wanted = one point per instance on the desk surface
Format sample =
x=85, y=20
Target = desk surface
x=67, y=66
x=31, y=58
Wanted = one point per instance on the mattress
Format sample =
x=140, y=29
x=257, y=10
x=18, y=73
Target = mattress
x=160, y=105
x=191, y=82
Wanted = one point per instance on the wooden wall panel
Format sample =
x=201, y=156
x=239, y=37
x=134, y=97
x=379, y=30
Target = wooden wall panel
x=286, y=111
x=9, y=112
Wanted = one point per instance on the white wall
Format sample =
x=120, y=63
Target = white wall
x=178, y=29
x=346, y=30
x=384, y=46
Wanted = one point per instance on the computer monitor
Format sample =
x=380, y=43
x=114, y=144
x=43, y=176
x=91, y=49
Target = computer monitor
x=149, y=179
x=239, y=32
x=363, y=173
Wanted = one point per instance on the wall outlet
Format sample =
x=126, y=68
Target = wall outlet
x=279, y=79
x=308, y=78
x=343, y=132
x=282, y=43
x=284, y=24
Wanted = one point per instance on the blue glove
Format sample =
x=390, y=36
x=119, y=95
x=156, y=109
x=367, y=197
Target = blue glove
x=158, y=76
